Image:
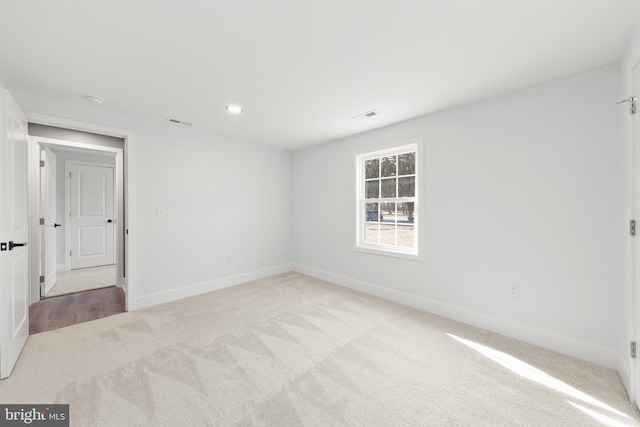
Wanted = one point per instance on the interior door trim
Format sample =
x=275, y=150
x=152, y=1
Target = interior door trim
x=124, y=162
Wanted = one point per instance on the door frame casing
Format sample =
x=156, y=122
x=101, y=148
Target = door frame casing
x=67, y=206
x=125, y=212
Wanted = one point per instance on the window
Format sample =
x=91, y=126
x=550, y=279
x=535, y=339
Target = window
x=387, y=202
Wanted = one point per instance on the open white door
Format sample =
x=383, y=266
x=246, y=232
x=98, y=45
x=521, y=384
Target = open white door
x=48, y=220
x=14, y=211
x=635, y=175
x=92, y=223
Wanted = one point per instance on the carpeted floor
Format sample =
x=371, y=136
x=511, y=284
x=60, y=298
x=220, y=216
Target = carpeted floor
x=293, y=350
x=83, y=279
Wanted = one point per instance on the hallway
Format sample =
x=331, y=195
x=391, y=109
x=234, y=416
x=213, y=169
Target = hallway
x=83, y=279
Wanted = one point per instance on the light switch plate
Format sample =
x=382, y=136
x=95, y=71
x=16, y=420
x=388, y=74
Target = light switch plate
x=162, y=213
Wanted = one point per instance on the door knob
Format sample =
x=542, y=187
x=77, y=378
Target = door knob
x=109, y=221
x=57, y=225
x=15, y=245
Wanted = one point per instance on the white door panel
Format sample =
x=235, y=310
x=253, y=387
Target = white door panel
x=635, y=308
x=19, y=265
x=14, y=257
x=48, y=213
x=92, y=241
x=92, y=214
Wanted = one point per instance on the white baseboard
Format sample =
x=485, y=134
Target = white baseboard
x=546, y=339
x=204, y=287
x=60, y=267
x=549, y=340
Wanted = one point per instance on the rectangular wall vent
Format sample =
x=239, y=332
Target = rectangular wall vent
x=179, y=122
x=365, y=115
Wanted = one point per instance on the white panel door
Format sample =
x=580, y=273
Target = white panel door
x=48, y=213
x=635, y=309
x=92, y=216
x=14, y=256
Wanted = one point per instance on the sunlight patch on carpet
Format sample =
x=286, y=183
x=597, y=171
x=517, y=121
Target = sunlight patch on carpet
x=534, y=374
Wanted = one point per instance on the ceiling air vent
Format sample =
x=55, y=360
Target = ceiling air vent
x=365, y=115
x=179, y=122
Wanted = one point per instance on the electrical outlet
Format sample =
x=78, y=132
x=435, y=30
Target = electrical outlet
x=228, y=257
x=321, y=254
x=513, y=291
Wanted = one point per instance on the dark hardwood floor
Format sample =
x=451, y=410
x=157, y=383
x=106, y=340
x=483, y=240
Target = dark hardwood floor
x=65, y=310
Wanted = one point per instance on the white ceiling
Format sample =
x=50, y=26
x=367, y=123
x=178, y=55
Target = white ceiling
x=300, y=68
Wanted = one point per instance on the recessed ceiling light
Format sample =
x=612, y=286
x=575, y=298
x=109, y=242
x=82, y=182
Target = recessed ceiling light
x=235, y=109
x=95, y=99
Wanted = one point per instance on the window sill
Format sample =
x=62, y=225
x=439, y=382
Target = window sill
x=388, y=253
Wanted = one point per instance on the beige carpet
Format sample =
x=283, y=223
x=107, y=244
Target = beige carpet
x=83, y=279
x=290, y=351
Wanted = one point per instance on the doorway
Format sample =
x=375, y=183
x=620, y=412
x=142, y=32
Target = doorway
x=77, y=222
x=81, y=206
x=123, y=179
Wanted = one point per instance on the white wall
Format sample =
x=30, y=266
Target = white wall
x=528, y=188
x=221, y=196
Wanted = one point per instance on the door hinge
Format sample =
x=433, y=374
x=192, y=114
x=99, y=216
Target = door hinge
x=632, y=349
x=41, y=279
x=41, y=221
x=41, y=163
x=632, y=227
x=69, y=253
x=632, y=104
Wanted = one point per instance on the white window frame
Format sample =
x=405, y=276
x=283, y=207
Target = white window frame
x=415, y=253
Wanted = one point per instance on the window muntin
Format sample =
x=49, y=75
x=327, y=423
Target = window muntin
x=387, y=201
